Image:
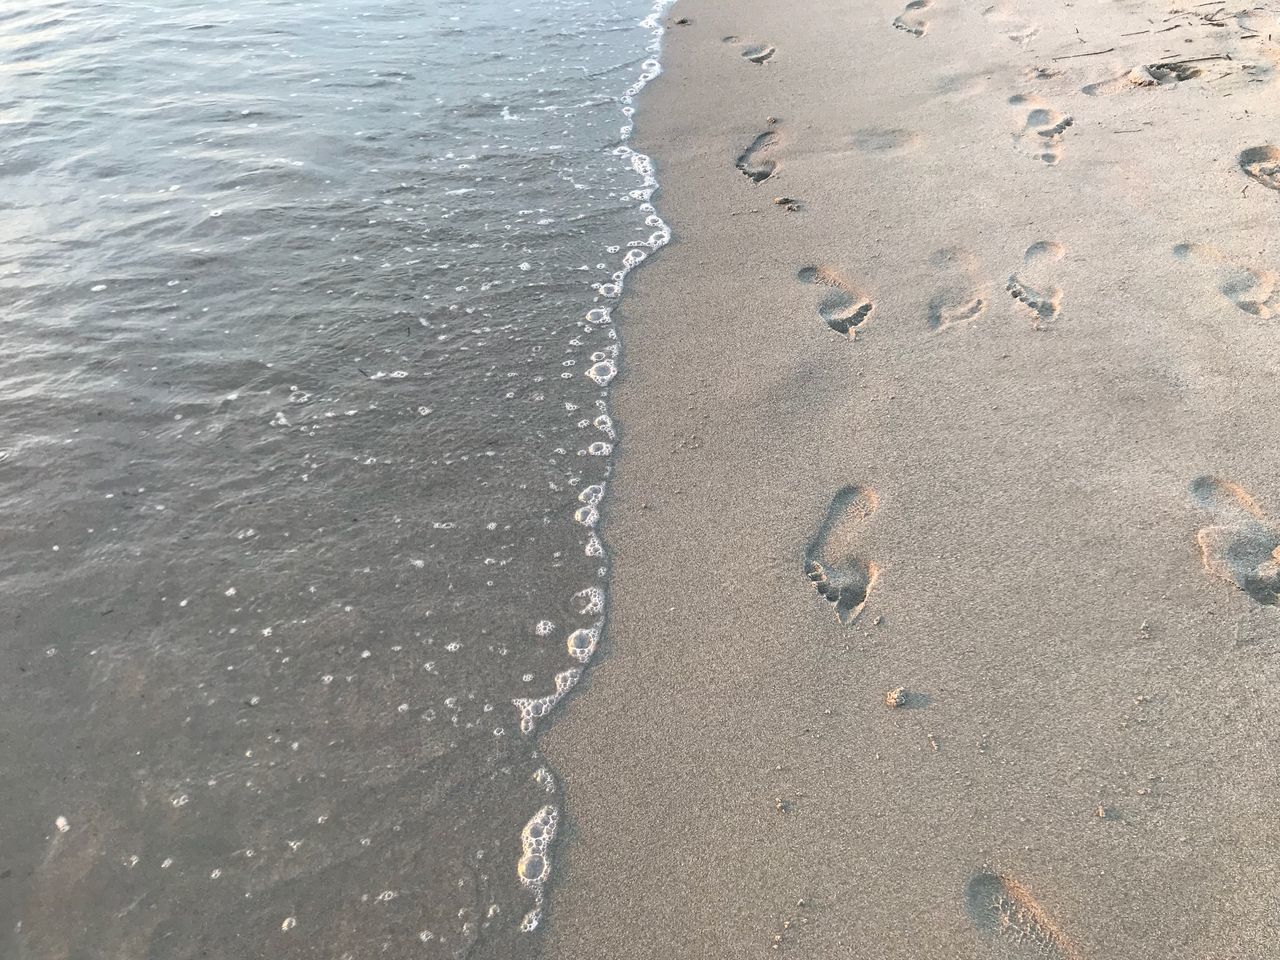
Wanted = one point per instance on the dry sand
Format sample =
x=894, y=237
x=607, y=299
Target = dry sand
x=1036, y=489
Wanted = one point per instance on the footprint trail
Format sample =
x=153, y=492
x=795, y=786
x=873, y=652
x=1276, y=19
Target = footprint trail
x=832, y=561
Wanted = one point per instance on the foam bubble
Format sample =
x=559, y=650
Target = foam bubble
x=534, y=866
x=532, y=709
x=546, y=779
x=582, y=643
x=592, y=600
x=592, y=495
x=603, y=372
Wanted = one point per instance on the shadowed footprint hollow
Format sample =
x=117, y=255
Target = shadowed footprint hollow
x=1241, y=545
x=843, y=309
x=833, y=562
x=1012, y=922
x=756, y=163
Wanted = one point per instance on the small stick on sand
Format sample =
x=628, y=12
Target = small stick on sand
x=1091, y=53
x=1216, y=56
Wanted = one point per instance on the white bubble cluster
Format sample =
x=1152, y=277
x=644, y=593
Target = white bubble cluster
x=582, y=643
x=604, y=423
x=546, y=779
x=603, y=371
x=533, y=708
x=535, y=865
x=589, y=514
x=592, y=600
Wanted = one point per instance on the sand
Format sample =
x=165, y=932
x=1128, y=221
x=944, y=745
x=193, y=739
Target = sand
x=991, y=417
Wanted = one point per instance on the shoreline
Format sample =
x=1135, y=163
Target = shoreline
x=1058, y=327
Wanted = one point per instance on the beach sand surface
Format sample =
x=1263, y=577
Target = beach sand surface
x=991, y=417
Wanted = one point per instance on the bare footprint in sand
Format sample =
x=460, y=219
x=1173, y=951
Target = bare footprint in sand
x=1031, y=285
x=1168, y=74
x=752, y=51
x=1263, y=165
x=1243, y=545
x=886, y=140
x=756, y=162
x=960, y=297
x=1004, y=15
x=1041, y=134
x=832, y=562
x=1256, y=292
x=912, y=18
x=843, y=309
x=1014, y=925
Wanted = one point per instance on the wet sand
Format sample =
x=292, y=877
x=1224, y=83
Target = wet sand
x=991, y=417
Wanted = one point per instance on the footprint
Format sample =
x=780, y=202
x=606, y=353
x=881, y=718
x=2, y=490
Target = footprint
x=1034, y=73
x=1263, y=164
x=1042, y=134
x=831, y=563
x=843, y=309
x=755, y=162
x=960, y=298
x=1176, y=71
x=752, y=51
x=962, y=84
x=1031, y=285
x=1152, y=75
x=1243, y=546
x=1011, y=920
x=1004, y=15
x=889, y=140
x=1256, y=292
x=912, y=18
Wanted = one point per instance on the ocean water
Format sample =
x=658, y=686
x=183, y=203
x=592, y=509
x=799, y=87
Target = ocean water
x=303, y=392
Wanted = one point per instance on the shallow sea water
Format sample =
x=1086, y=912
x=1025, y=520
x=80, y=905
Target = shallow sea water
x=303, y=392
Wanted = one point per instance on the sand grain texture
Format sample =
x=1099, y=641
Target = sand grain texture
x=1072, y=328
